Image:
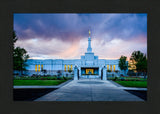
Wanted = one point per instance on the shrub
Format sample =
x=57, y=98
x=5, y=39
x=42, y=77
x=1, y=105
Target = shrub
x=44, y=78
x=16, y=77
x=116, y=71
x=41, y=78
x=122, y=79
x=58, y=78
x=54, y=78
x=121, y=75
x=61, y=78
x=115, y=78
x=65, y=78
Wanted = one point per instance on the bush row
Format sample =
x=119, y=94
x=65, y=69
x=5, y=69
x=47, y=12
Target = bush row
x=127, y=79
x=41, y=78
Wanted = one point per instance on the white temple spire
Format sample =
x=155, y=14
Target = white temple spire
x=89, y=49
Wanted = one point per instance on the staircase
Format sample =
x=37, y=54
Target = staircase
x=90, y=77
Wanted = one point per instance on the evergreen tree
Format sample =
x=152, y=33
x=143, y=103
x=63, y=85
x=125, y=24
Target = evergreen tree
x=122, y=63
x=20, y=56
x=140, y=61
x=14, y=38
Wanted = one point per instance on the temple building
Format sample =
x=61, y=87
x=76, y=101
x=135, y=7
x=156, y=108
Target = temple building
x=89, y=64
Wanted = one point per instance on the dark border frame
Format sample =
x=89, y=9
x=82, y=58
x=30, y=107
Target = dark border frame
x=7, y=8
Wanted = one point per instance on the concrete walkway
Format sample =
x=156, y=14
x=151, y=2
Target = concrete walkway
x=89, y=90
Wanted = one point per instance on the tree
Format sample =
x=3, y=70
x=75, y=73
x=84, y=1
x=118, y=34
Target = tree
x=140, y=61
x=15, y=38
x=138, y=56
x=123, y=64
x=20, y=56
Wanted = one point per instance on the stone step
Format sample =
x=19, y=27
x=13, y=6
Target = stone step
x=89, y=78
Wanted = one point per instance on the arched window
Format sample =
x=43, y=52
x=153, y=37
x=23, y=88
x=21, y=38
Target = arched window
x=36, y=68
x=39, y=68
x=107, y=67
x=71, y=67
x=111, y=68
x=65, y=68
x=114, y=68
x=68, y=67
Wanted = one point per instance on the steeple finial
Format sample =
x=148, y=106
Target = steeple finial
x=89, y=33
x=89, y=49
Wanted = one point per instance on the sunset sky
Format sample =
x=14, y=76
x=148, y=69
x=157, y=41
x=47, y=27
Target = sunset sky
x=65, y=35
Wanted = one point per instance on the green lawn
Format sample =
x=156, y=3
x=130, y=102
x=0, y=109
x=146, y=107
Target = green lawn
x=142, y=84
x=38, y=82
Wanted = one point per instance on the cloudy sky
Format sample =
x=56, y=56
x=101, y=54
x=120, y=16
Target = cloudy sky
x=65, y=35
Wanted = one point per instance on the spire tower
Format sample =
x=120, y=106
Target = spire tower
x=89, y=49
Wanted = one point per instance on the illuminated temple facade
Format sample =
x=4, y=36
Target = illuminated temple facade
x=88, y=64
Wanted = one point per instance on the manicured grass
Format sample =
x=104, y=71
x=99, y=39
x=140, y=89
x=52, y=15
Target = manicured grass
x=38, y=82
x=142, y=84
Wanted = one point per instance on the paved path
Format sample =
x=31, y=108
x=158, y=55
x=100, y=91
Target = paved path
x=89, y=90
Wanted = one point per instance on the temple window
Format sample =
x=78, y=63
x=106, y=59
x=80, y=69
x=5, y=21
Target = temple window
x=36, y=68
x=114, y=68
x=111, y=68
x=41, y=67
x=107, y=67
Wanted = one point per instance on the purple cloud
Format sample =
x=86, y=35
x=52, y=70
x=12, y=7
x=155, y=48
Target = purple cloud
x=69, y=26
x=69, y=29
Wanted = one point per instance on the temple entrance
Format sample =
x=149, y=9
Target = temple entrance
x=89, y=71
